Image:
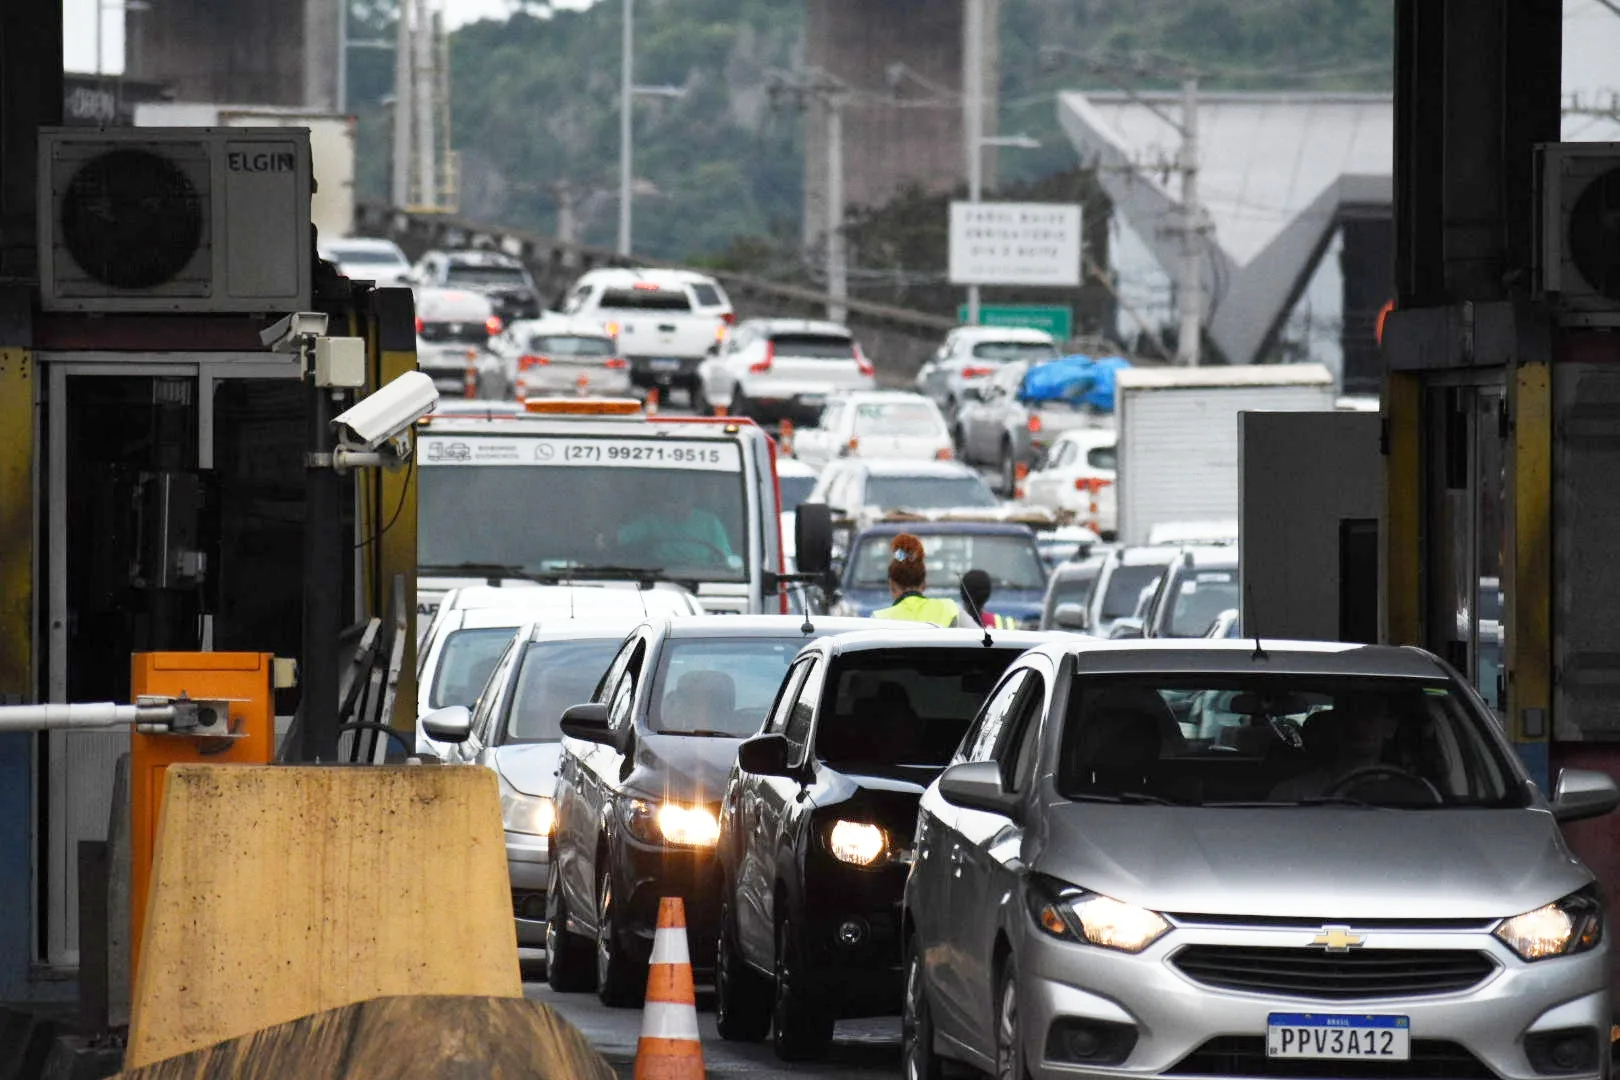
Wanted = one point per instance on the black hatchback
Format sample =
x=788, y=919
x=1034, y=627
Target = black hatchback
x=816, y=825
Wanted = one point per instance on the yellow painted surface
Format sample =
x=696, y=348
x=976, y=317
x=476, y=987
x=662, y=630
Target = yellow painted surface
x=397, y=550
x=1528, y=568
x=278, y=892
x=16, y=523
x=1403, y=520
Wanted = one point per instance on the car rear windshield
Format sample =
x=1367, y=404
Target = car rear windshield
x=368, y=256
x=460, y=333
x=1241, y=740
x=795, y=489
x=1125, y=587
x=553, y=675
x=1071, y=590
x=927, y=492
x=904, y=706
x=465, y=661
x=485, y=275
x=570, y=345
x=719, y=686
x=898, y=418
x=647, y=299
x=1102, y=457
x=1013, y=350
x=1197, y=598
x=1013, y=562
x=814, y=346
x=708, y=296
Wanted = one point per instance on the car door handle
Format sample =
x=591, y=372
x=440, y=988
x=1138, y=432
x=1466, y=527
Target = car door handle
x=666, y=328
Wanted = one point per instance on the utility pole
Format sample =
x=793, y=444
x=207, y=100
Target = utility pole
x=973, y=117
x=403, y=93
x=427, y=180
x=627, y=97
x=832, y=95
x=1191, y=287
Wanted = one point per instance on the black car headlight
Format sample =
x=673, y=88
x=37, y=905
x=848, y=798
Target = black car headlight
x=1074, y=914
x=1571, y=925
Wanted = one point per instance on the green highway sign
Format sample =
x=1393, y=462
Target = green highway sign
x=1057, y=320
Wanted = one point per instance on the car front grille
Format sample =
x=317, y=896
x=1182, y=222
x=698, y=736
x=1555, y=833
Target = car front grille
x=1245, y=1055
x=1317, y=973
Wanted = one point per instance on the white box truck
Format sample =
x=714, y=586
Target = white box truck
x=331, y=148
x=1178, y=440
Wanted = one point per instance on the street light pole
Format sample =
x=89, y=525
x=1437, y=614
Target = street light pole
x=1192, y=277
x=837, y=265
x=626, y=104
x=973, y=118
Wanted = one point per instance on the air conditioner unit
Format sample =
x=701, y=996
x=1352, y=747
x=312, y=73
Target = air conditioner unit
x=175, y=219
x=1578, y=231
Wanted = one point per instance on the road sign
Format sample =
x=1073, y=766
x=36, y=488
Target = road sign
x=1057, y=320
x=1015, y=244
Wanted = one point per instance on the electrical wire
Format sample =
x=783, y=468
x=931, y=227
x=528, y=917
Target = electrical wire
x=404, y=490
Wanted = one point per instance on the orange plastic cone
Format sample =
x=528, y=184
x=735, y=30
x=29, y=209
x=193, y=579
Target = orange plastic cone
x=669, y=1048
x=785, y=435
x=722, y=410
x=650, y=406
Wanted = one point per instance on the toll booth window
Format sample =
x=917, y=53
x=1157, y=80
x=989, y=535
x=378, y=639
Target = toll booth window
x=465, y=663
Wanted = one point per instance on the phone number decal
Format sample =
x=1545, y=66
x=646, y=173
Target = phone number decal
x=612, y=453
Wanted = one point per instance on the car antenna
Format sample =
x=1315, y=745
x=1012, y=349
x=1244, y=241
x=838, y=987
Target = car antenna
x=973, y=609
x=808, y=627
x=1259, y=649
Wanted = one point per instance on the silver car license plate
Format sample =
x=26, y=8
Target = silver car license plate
x=1332, y=1037
x=665, y=364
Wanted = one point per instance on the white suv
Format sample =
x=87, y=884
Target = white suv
x=782, y=369
x=971, y=354
x=665, y=321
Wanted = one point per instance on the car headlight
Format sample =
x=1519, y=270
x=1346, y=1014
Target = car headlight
x=1571, y=925
x=1072, y=914
x=671, y=823
x=534, y=815
x=857, y=842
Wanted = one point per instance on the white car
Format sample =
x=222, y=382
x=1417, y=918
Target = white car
x=665, y=321
x=1079, y=476
x=453, y=328
x=782, y=369
x=973, y=353
x=876, y=423
x=561, y=354
x=366, y=259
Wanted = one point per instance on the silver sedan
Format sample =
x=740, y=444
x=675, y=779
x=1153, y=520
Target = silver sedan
x=1341, y=869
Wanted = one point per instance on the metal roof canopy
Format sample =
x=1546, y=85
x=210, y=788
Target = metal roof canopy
x=1278, y=172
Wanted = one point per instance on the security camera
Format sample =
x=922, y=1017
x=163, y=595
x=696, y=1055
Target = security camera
x=285, y=334
x=387, y=411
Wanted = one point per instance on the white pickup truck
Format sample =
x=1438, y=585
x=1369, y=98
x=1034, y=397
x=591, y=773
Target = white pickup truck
x=665, y=321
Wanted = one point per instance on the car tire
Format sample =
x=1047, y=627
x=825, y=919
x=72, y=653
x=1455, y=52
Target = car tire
x=917, y=1058
x=1009, y=471
x=742, y=997
x=619, y=983
x=740, y=404
x=700, y=401
x=801, y=1022
x=1010, y=1063
x=568, y=956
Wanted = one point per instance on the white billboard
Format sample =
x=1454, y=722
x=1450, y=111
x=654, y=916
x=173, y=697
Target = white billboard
x=1015, y=244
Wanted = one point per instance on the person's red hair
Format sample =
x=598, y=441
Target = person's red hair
x=906, y=570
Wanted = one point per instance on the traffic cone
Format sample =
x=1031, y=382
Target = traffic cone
x=470, y=379
x=650, y=406
x=722, y=410
x=669, y=1048
x=785, y=436
x=1020, y=474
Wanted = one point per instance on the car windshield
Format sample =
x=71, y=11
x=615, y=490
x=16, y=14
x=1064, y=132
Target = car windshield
x=1071, y=589
x=813, y=346
x=368, y=256
x=904, y=706
x=1125, y=587
x=465, y=661
x=552, y=676
x=646, y=299
x=795, y=489
x=679, y=516
x=485, y=275
x=1014, y=350
x=570, y=345
x=1281, y=740
x=1198, y=598
x=719, y=686
x=1012, y=561
x=927, y=492
x=897, y=418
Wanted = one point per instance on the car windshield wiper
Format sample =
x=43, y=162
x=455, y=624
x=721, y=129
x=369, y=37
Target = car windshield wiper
x=700, y=731
x=1127, y=798
x=491, y=571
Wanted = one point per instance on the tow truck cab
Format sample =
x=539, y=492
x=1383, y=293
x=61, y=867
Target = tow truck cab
x=591, y=489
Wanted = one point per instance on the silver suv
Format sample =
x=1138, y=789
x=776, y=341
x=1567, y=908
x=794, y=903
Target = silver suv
x=1230, y=858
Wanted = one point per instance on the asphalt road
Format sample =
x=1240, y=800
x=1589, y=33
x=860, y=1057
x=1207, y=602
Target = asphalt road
x=860, y=1048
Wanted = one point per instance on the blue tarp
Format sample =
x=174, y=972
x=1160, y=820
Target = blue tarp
x=1079, y=380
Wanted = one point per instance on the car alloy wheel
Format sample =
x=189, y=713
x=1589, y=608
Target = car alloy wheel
x=803, y=1024
x=616, y=983
x=916, y=1024
x=1009, y=471
x=742, y=998
x=1009, y=1047
x=568, y=958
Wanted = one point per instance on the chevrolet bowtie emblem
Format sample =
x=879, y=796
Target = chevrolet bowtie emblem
x=1337, y=939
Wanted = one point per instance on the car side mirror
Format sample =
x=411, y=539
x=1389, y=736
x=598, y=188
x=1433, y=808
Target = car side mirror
x=813, y=537
x=972, y=393
x=976, y=785
x=451, y=724
x=1071, y=616
x=765, y=755
x=588, y=721
x=1128, y=627
x=1584, y=793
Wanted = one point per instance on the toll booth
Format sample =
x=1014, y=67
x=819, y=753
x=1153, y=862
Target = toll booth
x=154, y=455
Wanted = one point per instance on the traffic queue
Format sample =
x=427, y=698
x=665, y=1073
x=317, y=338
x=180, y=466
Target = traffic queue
x=905, y=746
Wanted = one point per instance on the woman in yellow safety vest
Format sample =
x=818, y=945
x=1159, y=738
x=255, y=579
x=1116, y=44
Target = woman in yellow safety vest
x=907, y=579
